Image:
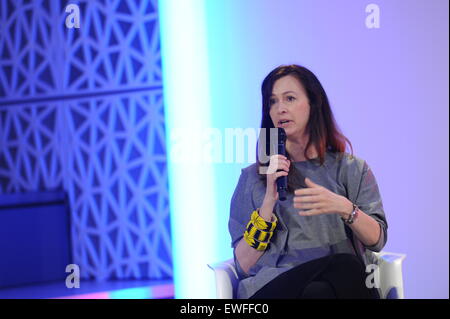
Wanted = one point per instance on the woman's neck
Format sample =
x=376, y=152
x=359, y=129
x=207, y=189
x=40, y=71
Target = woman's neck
x=296, y=149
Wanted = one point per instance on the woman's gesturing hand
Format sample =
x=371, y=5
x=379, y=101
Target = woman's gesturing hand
x=317, y=200
x=277, y=162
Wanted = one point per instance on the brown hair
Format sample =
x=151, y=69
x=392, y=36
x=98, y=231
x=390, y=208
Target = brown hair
x=324, y=133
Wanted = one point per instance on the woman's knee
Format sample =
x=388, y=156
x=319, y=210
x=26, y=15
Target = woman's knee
x=318, y=290
x=347, y=261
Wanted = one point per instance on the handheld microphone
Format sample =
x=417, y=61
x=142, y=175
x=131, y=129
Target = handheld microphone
x=282, y=180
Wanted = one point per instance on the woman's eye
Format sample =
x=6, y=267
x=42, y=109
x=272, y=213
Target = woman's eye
x=271, y=101
x=291, y=98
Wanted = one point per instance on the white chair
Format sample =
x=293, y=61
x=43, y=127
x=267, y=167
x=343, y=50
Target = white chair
x=389, y=267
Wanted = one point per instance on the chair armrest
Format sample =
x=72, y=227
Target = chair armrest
x=226, y=279
x=390, y=273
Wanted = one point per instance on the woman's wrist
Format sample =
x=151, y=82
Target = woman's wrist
x=269, y=199
x=266, y=210
x=346, y=208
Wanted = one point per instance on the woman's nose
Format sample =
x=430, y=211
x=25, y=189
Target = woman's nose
x=281, y=108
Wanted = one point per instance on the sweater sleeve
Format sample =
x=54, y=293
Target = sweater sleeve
x=369, y=201
x=241, y=208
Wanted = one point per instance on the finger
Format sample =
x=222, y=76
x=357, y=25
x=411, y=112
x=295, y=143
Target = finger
x=282, y=162
x=310, y=183
x=276, y=164
x=307, y=191
x=278, y=157
x=284, y=166
x=282, y=170
x=307, y=206
x=280, y=173
x=306, y=199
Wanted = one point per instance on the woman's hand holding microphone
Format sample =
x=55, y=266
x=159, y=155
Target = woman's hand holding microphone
x=313, y=200
x=278, y=166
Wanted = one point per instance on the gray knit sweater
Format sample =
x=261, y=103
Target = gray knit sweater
x=299, y=239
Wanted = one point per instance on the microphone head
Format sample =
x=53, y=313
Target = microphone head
x=281, y=135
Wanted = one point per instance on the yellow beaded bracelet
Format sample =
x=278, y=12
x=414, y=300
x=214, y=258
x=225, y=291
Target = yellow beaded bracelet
x=259, y=232
x=259, y=235
x=254, y=243
x=261, y=224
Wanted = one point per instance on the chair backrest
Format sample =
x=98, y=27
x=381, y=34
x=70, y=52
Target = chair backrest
x=391, y=275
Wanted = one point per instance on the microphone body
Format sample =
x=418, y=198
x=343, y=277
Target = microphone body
x=282, y=180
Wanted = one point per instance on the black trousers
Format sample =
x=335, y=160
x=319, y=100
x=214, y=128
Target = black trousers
x=339, y=276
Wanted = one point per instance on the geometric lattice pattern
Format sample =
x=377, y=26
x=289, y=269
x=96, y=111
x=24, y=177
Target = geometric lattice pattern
x=81, y=109
x=116, y=47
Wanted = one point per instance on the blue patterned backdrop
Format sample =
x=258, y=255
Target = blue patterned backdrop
x=81, y=109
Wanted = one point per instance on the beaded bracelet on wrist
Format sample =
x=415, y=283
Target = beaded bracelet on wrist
x=261, y=223
x=259, y=232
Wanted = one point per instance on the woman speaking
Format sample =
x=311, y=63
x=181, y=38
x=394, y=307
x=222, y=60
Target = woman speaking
x=318, y=242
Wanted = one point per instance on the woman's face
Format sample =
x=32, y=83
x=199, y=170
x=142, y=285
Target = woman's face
x=289, y=106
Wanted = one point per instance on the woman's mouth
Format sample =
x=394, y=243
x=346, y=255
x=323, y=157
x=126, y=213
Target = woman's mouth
x=283, y=123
